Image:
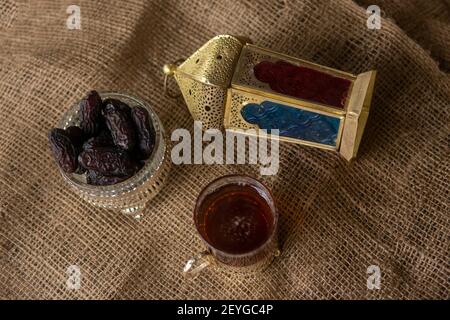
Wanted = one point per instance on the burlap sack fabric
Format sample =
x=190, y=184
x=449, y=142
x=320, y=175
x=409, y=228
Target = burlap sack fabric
x=389, y=208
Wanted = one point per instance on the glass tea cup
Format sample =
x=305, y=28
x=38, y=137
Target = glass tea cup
x=131, y=195
x=237, y=219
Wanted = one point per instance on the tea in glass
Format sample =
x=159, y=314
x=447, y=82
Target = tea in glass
x=237, y=219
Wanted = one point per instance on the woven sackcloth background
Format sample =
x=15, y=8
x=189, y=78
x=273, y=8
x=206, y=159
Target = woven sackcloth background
x=389, y=208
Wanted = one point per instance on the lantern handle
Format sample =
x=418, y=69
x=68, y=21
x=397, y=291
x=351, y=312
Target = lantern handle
x=169, y=69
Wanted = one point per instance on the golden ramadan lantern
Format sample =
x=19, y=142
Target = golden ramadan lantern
x=232, y=84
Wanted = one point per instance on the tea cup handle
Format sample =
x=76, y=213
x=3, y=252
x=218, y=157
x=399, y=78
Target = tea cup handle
x=197, y=263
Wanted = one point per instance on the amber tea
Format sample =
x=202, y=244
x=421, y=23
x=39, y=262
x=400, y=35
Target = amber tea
x=237, y=219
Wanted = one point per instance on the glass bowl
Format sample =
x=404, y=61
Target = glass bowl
x=131, y=195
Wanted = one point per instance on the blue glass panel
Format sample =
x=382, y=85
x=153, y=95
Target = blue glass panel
x=293, y=122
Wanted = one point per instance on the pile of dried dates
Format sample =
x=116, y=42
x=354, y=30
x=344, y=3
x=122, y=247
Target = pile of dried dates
x=110, y=145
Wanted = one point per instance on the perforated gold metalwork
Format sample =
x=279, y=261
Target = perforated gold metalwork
x=205, y=77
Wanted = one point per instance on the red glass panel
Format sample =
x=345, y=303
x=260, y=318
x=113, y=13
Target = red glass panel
x=304, y=83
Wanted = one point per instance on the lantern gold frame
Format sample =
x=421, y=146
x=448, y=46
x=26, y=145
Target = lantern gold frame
x=219, y=71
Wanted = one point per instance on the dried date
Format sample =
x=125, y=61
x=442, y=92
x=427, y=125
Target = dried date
x=76, y=136
x=118, y=120
x=119, y=104
x=109, y=161
x=104, y=139
x=90, y=111
x=98, y=179
x=63, y=150
x=145, y=131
